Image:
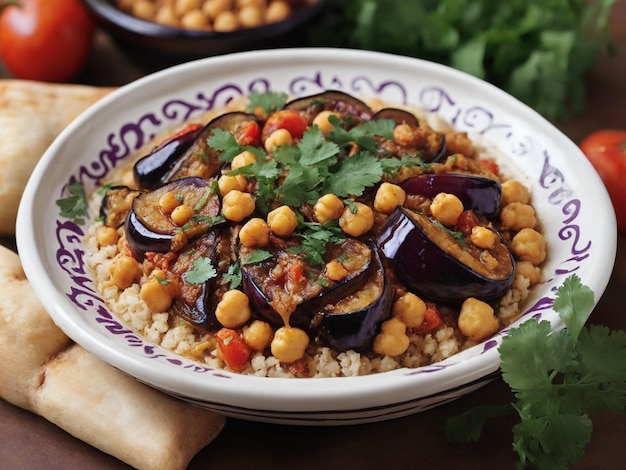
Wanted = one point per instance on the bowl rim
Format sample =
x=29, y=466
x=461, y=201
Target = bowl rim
x=282, y=393
x=113, y=15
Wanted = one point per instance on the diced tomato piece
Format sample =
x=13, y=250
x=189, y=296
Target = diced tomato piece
x=295, y=273
x=186, y=130
x=491, y=165
x=466, y=222
x=234, y=350
x=432, y=319
x=249, y=134
x=288, y=119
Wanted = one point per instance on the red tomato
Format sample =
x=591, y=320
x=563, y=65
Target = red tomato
x=233, y=348
x=250, y=134
x=285, y=119
x=45, y=40
x=606, y=150
x=432, y=319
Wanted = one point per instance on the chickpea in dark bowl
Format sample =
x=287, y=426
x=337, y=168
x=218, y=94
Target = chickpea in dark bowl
x=167, y=32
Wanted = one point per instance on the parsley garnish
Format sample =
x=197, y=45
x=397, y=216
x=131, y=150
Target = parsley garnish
x=74, y=206
x=201, y=271
x=459, y=237
x=557, y=377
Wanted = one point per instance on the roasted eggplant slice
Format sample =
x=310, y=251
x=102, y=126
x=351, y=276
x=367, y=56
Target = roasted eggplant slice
x=202, y=160
x=482, y=195
x=336, y=101
x=433, y=263
x=399, y=116
x=286, y=290
x=353, y=321
x=150, y=171
x=149, y=227
x=196, y=269
x=116, y=204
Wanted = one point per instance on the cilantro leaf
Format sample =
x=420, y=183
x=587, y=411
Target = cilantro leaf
x=74, y=206
x=269, y=101
x=256, y=256
x=352, y=175
x=574, y=303
x=201, y=271
x=225, y=142
x=315, y=149
x=233, y=276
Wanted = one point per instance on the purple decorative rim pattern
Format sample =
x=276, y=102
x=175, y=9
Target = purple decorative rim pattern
x=131, y=136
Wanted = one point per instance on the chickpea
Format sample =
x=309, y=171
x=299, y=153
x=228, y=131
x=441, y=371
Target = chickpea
x=322, y=121
x=124, y=270
x=143, y=9
x=181, y=7
x=289, y=344
x=514, y=191
x=245, y=158
x=250, y=16
x=483, y=238
x=328, y=207
x=529, y=245
x=168, y=202
x=388, y=197
x=517, y=216
x=157, y=293
x=446, y=208
x=277, y=138
x=255, y=233
x=392, y=339
x=276, y=11
x=282, y=221
x=258, y=335
x=166, y=16
x=477, y=320
x=359, y=222
x=335, y=271
x=225, y=21
x=233, y=310
x=182, y=214
x=237, y=205
x=212, y=8
x=227, y=183
x=195, y=20
x=529, y=271
x=260, y=4
x=107, y=236
x=403, y=134
x=410, y=309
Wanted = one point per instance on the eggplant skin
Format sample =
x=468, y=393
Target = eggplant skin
x=150, y=171
x=356, y=329
x=428, y=270
x=477, y=193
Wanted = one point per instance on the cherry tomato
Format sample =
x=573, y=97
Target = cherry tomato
x=606, y=150
x=233, y=348
x=285, y=119
x=45, y=40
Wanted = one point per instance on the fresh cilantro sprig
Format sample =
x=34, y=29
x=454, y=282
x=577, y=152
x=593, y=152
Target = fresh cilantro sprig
x=269, y=101
x=315, y=240
x=74, y=206
x=201, y=271
x=557, y=379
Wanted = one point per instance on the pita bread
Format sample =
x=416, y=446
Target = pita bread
x=32, y=114
x=43, y=371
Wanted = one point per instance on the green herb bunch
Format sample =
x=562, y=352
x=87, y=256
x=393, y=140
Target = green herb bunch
x=537, y=50
x=558, y=378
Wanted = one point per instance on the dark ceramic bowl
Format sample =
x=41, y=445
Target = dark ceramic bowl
x=155, y=43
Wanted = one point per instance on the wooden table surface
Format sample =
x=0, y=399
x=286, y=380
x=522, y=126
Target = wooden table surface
x=30, y=442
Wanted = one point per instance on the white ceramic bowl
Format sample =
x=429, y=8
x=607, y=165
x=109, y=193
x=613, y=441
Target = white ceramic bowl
x=567, y=193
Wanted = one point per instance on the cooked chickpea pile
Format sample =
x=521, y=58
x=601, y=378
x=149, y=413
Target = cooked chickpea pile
x=209, y=15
